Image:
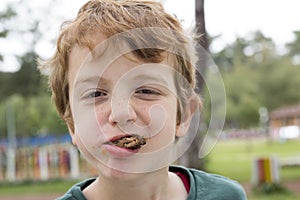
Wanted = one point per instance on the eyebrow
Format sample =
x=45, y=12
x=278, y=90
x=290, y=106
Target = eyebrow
x=92, y=80
x=103, y=81
x=146, y=77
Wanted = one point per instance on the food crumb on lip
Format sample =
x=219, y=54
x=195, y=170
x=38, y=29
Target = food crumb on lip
x=129, y=142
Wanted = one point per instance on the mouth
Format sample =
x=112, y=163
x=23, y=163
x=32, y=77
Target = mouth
x=131, y=142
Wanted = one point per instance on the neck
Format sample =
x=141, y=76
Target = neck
x=151, y=186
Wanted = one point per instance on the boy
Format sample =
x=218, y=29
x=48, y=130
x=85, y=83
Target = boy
x=123, y=80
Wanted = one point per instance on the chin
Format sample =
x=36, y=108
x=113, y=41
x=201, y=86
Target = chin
x=117, y=175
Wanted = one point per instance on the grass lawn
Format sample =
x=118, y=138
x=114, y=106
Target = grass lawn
x=39, y=187
x=285, y=196
x=234, y=159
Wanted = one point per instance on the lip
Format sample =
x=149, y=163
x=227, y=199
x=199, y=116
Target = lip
x=115, y=138
x=119, y=152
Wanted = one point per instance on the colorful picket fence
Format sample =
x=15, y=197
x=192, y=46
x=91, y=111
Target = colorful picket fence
x=265, y=171
x=44, y=163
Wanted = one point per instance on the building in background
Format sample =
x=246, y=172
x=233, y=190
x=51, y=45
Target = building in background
x=285, y=122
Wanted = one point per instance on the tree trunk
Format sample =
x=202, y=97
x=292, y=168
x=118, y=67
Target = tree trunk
x=202, y=42
x=190, y=158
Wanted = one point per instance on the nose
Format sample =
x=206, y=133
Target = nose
x=122, y=113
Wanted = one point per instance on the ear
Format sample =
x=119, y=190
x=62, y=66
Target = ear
x=187, y=114
x=72, y=134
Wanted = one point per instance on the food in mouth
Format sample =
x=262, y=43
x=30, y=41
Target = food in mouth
x=129, y=142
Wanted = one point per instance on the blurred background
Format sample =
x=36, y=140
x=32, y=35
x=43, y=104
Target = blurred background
x=256, y=46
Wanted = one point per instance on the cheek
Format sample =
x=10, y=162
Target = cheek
x=143, y=113
x=170, y=120
x=162, y=119
x=101, y=118
x=163, y=132
x=88, y=129
x=155, y=116
x=102, y=114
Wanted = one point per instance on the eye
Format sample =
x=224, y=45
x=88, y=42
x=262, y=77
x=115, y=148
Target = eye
x=96, y=94
x=147, y=91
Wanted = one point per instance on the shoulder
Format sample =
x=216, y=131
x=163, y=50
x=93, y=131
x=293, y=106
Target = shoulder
x=224, y=188
x=75, y=192
x=211, y=186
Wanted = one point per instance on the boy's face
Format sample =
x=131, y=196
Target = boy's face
x=111, y=98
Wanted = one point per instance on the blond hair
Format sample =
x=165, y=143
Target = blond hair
x=110, y=17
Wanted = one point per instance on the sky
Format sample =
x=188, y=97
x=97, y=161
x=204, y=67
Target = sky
x=231, y=18
x=224, y=18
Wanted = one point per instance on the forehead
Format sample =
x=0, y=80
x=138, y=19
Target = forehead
x=76, y=57
x=133, y=44
x=108, y=52
x=83, y=65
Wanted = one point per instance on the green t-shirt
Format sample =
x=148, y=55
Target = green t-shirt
x=203, y=186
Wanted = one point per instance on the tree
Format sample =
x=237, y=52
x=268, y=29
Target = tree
x=4, y=16
x=231, y=54
x=242, y=102
x=190, y=157
x=25, y=81
x=294, y=48
x=255, y=76
x=279, y=84
x=25, y=88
